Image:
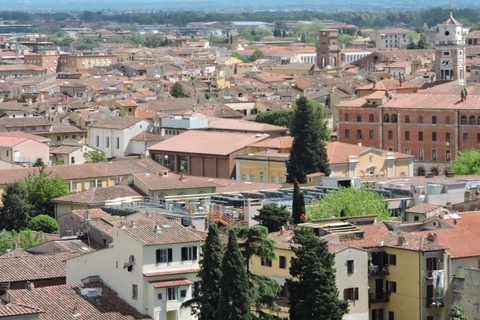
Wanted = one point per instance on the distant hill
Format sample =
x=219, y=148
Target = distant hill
x=92, y=5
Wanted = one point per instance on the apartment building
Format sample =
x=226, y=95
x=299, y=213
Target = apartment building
x=391, y=38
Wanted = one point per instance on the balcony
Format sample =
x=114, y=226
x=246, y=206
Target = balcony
x=429, y=274
x=436, y=302
x=379, y=297
x=172, y=305
x=378, y=270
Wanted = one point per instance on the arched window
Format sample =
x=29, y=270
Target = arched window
x=435, y=171
x=394, y=118
x=386, y=118
x=262, y=177
x=478, y=120
x=471, y=120
x=420, y=172
x=463, y=119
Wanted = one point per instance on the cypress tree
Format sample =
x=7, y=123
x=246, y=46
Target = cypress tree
x=298, y=205
x=308, y=153
x=313, y=293
x=206, y=296
x=234, y=285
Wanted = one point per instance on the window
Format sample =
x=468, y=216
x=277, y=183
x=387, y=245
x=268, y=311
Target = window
x=434, y=119
x=74, y=186
x=350, y=266
x=420, y=119
x=97, y=138
x=72, y=160
x=347, y=134
x=134, y=292
x=189, y=253
x=390, y=135
x=465, y=137
x=407, y=150
x=471, y=120
x=407, y=135
x=359, y=134
x=371, y=118
x=463, y=120
x=386, y=118
x=359, y=117
x=266, y=262
x=33, y=128
x=371, y=134
x=7, y=153
x=59, y=138
x=391, y=315
x=22, y=128
x=407, y=119
x=159, y=296
x=350, y=294
x=420, y=154
x=392, y=259
x=448, y=155
x=347, y=117
x=434, y=154
x=478, y=137
x=420, y=136
x=92, y=184
x=434, y=136
x=164, y=255
x=171, y=293
x=183, y=293
x=107, y=143
x=447, y=120
x=391, y=286
x=416, y=218
x=394, y=118
x=182, y=163
x=118, y=142
x=432, y=263
x=282, y=262
x=447, y=136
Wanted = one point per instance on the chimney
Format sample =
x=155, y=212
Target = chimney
x=182, y=177
x=464, y=94
x=75, y=311
x=157, y=229
x=122, y=224
x=432, y=237
x=374, y=84
x=88, y=214
x=401, y=241
x=133, y=225
x=31, y=286
x=283, y=231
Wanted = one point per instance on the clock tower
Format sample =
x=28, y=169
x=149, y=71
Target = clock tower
x=450, y=49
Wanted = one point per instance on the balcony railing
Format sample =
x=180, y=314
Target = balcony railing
x=379, y=297
x=378, y=270
x=436, y=302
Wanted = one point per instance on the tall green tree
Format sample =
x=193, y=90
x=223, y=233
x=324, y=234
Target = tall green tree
x=234, y=285
x=308, y=153
x=298, y=204
x=94, y=156
x=206, y=298
x=16, y=209
x=38, y=163
x=44, y=223
x=177, y=91
x=42, y=187
x=467, y=162
x=255, y=243
x=313, y=290
x=280, y=117
x=257, y=54
x=272, y=217
x=349, y=202
x=457, y=312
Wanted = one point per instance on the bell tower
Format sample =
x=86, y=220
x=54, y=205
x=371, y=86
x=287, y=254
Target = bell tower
x=450, y=49
x=328, y=50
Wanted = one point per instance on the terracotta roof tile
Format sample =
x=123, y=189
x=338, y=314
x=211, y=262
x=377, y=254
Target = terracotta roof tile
x=172, y=181
x=17, y=309
x=170, y=283
x=58, y=303
x=170, y=272
x=423, y=208
x=119, y=123
x=98, y=195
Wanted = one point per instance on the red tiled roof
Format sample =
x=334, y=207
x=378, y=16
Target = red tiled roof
x=170, y=283
x=374, y=235
x=423, y=208
x=17, y=309
x=170, y=272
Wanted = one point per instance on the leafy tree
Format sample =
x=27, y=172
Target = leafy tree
x=234, y=285
x=284, y=34
x=44, y=223
x=272, y=217
x=467, y=162
x=298, y=204
x=308, y=153
x=38, y=163
x=457, y=312
x=24, y=239
x=313, y=291
x=16, y=208
x=281, y=117
x=177, y=90
x=216, y=39
x=206, y=297
x=237, y=56
x=5, y=241
x=349, y=202
x=94, y=156
x=304, y=38
x=137, y=38
x=422, y=42
x=262, y=296
x=27, y=239
x=257, y=54
x=41, y=189
x=255, y=243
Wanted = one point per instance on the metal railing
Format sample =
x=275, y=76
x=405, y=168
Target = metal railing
x=435, y=302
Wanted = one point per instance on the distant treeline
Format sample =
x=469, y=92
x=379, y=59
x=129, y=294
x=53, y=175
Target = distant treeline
x=362, y=19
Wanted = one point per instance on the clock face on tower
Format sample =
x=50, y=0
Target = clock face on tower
x=446, y=63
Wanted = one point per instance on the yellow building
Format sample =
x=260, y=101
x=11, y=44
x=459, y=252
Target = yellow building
x=267, y=160
x=127, y=108
x=350, y=265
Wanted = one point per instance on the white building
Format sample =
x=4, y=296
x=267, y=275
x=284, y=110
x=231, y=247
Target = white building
x=152, y=265
x=112, y=135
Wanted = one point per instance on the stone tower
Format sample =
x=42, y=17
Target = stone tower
x=328, y=51
x=450, y=49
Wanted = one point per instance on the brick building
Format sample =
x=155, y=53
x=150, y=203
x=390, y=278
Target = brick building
x=328, y=52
